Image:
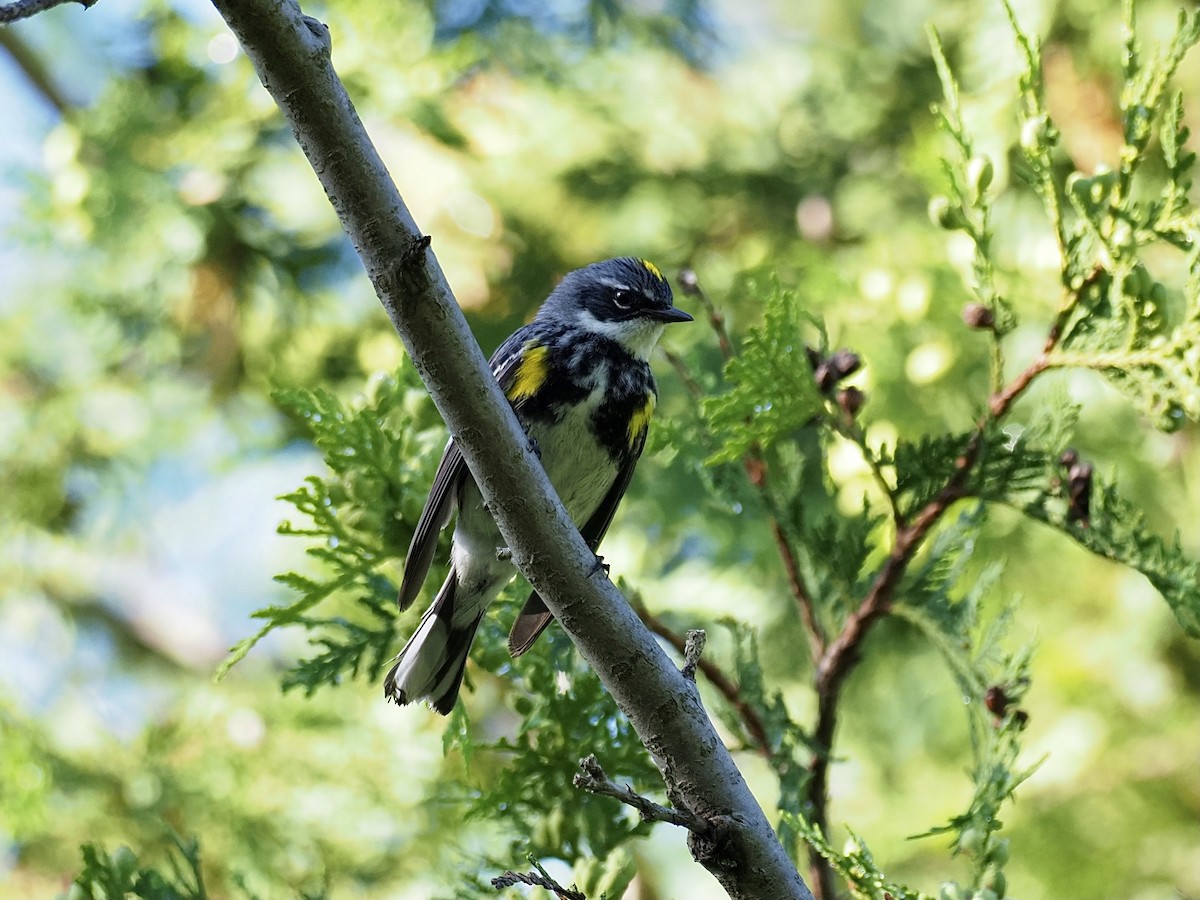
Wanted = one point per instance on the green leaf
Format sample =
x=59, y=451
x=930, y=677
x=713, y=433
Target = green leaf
x=772, y=391
x=360, y=517
x=855, y=864
x=118, y=876
x=1006, y=467
x=1116, y=530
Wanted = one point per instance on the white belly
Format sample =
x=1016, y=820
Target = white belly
x=580, y=469
x=582, y=473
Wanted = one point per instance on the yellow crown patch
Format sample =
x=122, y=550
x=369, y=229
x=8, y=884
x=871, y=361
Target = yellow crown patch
x=652, y=269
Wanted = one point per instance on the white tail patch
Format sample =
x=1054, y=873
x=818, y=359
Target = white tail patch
x=415, y=674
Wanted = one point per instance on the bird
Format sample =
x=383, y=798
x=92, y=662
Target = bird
x=578, y=378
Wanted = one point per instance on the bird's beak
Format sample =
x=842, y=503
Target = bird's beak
x=667, y=314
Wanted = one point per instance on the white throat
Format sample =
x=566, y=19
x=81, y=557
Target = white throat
x=638, y=336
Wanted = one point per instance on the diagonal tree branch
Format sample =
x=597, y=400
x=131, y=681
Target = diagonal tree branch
x=34, y=69
x=291, y=54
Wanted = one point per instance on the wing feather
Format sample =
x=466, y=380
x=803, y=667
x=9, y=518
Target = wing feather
x=448, y=481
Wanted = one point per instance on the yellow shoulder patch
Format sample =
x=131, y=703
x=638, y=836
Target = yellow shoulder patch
x=653, y=269
x=640, y=420
x=531, y=374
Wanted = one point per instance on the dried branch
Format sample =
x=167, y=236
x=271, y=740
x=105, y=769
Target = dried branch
x=537, y=879
x=592, y=778
x=24, y=9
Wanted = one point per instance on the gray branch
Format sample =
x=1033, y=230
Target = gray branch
x=536, y=879
x=291, y=54
x=593, y=779
x=24, y=9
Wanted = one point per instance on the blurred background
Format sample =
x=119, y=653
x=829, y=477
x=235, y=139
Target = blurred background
x=167, y=260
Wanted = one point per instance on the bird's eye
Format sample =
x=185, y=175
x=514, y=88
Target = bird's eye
x=623, y=300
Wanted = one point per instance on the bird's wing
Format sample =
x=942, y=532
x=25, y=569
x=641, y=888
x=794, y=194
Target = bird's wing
x=506, y=365
x=534, y=617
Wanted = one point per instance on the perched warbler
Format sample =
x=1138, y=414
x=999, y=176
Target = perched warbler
x=578, y=377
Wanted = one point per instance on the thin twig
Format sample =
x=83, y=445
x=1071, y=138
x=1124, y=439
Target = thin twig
x=851, y=431
x=509, y=878
x=756, y=730
x=34, y=69
x=716, y=319
x=804, y=601
x=24, y=9
x=685, y=374
x=692, y=648
x=592, y=778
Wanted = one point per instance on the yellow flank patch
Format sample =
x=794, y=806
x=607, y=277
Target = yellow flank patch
x=653, y=269
x=531, y=372
x=640, y=420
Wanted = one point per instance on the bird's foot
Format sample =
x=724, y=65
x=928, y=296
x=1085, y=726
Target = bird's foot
x=599, y=565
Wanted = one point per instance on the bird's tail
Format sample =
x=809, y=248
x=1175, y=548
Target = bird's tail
x=430, y=667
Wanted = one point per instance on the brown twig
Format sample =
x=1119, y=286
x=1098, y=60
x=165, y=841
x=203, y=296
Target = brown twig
x=24, y=9
x=716, y=319
x=842, y=653
x=684, y=373
x=804, y=601
x=751, y=721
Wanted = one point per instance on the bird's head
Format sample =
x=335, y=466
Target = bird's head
x=625, y=299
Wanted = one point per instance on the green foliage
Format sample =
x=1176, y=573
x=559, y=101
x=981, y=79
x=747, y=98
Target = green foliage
x=784, y=737
x=362, y=514
x=1118, y=318
x=117, y=876
x=855, y=864
x=837, y=551
x=1108, y=321
x=1007, y=467
x=772, y=391
x=609, y=878
x=992, y=683
x=1117, y=530
x=969, y=205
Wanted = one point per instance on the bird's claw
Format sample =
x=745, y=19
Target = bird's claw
x=534, y=448
x=599, y=565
